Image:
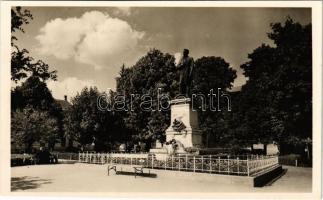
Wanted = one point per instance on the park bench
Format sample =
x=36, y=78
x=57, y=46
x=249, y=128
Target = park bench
x=137, y=169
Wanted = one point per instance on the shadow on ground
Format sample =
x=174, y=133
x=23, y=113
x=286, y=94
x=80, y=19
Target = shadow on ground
x=133, y=174
x=27, y=183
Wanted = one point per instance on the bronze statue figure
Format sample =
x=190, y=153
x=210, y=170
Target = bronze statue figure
x=185, y=68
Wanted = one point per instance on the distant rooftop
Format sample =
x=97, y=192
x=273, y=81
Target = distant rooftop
x=65, y=104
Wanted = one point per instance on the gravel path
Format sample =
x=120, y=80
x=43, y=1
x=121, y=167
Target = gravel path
x=93, y=178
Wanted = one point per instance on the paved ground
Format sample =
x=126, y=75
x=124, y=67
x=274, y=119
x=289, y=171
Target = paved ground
x=93, y=178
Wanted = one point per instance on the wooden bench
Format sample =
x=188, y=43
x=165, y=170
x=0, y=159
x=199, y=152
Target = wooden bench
x=137, y=169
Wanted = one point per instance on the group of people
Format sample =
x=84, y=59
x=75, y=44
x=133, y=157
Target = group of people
x=40, y=156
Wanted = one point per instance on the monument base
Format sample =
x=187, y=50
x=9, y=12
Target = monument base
x=187, y=139
x=184, y=125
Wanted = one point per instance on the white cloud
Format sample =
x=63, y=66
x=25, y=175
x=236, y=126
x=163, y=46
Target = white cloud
x=95, y=38
x=122, y=11
x=69, y=86
x=178, y=57
x=241, y=79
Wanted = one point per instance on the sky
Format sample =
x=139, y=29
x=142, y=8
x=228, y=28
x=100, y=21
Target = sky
x=88, y=45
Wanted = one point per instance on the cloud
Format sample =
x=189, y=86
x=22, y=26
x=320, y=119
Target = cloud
x=178, y=57
x=69, y=86
x=241, y=79
x=95, y=38
x=122, y=11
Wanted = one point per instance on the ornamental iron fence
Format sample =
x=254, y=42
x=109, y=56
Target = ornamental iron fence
x=229, y=165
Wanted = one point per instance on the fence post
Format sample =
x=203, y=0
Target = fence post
x=186, y=162
x=219, y=164
x=228, y=164
x=238, y=164
x=152, y=162
x=166, y=162
x=202, y=163
x=172, y=162
x=210, y=163
x=296, y=163
x=102, y=158
x=247, y=166
x=194, y=163
x=70, y=156
x=179, y=163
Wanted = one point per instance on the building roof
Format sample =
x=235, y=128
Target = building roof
x=64, y=104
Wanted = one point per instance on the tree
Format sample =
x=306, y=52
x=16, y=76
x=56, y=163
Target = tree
x=32, y=97
x=30, y=125
x=155, y=72
x=22, y=65
x=87, y=124
x=35, y=93
x=32, y=92
x=19, y=17
x=212, y=73
x=277, y=98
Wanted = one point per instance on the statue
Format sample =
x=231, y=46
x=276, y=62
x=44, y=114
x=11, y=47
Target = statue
x=185, y=68
x=178, y=125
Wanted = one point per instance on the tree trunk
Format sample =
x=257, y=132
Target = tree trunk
x=28, y=147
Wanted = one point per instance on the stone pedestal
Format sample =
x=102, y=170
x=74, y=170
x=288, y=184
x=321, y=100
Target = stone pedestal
x=182, y=112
